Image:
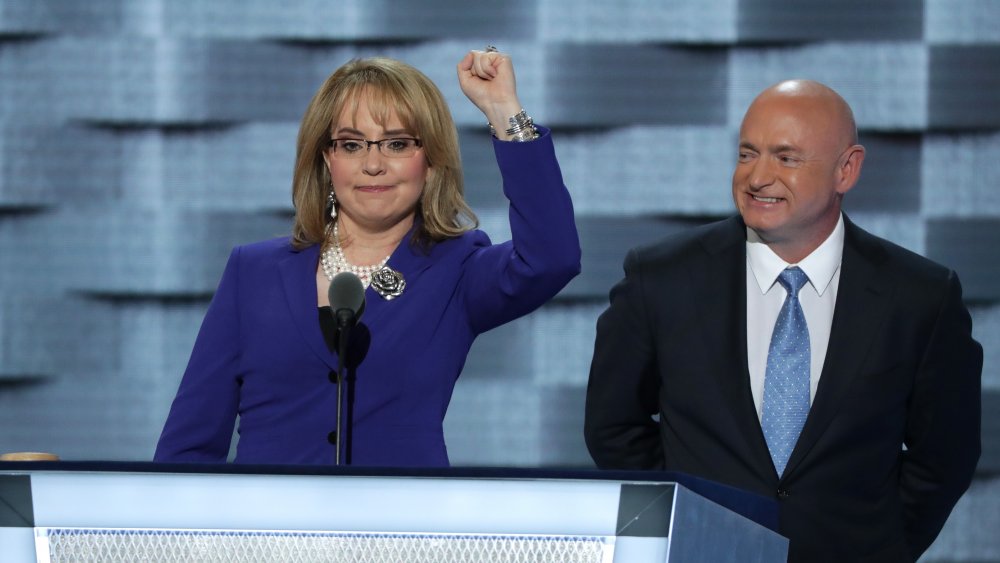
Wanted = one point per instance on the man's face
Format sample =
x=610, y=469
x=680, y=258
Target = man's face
x=788, y=180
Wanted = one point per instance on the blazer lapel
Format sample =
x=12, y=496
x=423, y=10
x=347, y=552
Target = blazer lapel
x=861, y=308
x=298, y=279
x=409, y=262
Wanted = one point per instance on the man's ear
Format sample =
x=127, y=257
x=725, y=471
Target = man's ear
x=849, y=168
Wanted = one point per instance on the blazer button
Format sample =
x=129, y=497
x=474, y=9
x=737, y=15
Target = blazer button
x=783, y=494
x=332, y=437
x=333, y=376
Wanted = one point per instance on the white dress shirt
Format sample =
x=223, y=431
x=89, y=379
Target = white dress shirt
x=765, y=296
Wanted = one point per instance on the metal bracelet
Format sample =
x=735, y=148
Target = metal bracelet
x=519, y=122
x=522, y=127
x=529, y=134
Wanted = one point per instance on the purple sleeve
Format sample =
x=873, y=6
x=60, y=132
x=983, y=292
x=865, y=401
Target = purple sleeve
x=505, y=281
x=200, y=424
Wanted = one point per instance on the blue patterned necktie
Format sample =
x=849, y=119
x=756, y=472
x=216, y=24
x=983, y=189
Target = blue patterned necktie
x=786, y=382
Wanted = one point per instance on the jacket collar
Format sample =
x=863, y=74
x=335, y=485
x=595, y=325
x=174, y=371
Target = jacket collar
x=298, y=276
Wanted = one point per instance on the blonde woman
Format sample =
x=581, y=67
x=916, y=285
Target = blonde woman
x=377, y=191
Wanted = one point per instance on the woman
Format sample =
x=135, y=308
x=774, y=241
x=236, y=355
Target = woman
x=377, y=191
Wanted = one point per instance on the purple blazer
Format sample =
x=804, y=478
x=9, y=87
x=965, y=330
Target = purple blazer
x=261, y=354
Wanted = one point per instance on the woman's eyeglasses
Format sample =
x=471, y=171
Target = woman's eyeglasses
x=398, y=147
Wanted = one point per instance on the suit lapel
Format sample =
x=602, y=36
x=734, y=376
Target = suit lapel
x=724, y=278
x=861, y=308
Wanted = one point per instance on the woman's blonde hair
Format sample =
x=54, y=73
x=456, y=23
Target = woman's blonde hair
x=391, y=88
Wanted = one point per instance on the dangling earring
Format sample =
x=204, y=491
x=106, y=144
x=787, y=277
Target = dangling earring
x=331, y=203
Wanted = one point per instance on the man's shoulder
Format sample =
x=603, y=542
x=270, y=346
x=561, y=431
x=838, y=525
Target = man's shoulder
x=695, y=243
x=902, y=263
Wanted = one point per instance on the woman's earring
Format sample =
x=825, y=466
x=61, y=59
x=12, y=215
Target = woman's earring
x=331, y=203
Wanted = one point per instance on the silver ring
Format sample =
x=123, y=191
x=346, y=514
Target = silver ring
x=491, y=49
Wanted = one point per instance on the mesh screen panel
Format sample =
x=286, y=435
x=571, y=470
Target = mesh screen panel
x=65, y=545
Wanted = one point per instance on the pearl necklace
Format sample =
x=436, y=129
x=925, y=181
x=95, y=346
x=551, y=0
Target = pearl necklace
x=335, y=262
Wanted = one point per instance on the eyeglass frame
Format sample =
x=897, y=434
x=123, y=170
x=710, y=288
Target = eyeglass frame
x=331, y=145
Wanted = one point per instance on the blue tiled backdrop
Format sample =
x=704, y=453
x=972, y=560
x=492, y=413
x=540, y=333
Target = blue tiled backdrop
x=139, y=141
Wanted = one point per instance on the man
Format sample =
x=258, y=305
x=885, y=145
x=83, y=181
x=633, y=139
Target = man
x=790, y=353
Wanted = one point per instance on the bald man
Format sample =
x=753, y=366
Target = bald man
x=788, y=352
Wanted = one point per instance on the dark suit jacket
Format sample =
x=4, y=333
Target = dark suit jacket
x=901, y=369
x=260, y=354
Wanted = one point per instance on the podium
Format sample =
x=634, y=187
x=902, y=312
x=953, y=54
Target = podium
x=88, y=511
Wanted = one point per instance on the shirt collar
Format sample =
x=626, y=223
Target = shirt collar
x=820, y=265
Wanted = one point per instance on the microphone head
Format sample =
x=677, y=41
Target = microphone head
x=347, y=296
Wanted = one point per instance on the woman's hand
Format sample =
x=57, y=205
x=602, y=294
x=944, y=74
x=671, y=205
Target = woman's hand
x=487, y=79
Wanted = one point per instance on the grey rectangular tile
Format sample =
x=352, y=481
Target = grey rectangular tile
x=969, y=247
x=773, y=21
x=963, y=86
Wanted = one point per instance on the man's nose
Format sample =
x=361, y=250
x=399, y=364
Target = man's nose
x=761, y=173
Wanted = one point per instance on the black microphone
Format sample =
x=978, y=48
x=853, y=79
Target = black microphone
x=347, y=303
x=347, y=299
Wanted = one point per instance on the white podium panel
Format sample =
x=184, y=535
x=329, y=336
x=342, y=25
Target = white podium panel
x=70, y=515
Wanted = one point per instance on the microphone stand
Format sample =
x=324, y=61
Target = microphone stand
x=344, y=322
